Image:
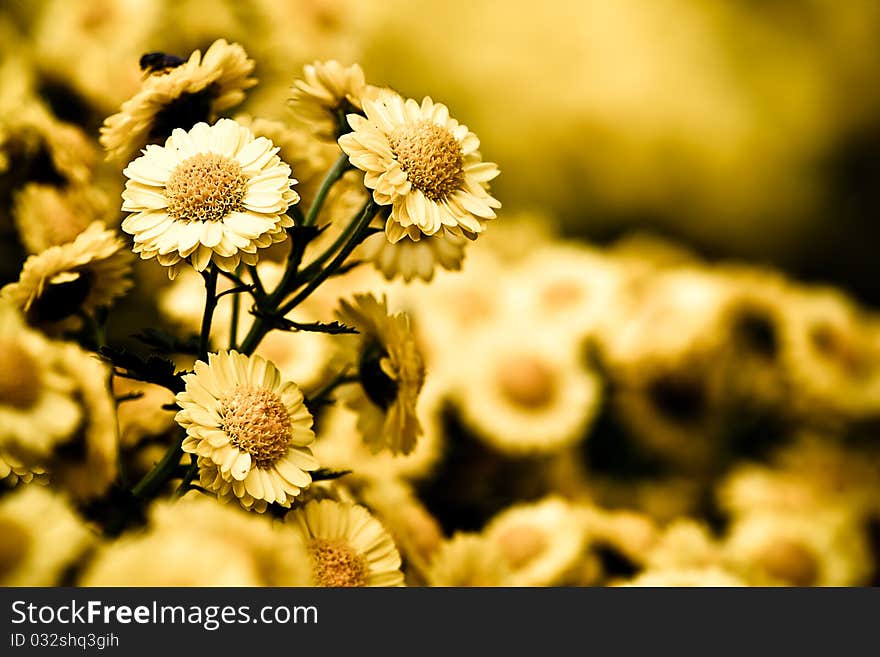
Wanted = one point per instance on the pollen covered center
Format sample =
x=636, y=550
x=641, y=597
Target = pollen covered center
x=430, y=156
x=337, y=564
x=257, y=422
x=527, y=382
x=205, y=187
x=791, y=562
x=19, y=376
x=521, y=544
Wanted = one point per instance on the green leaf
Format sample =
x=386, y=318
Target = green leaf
x=284, y=324
x=167, y=343
x=325, y=474
x=152, y=369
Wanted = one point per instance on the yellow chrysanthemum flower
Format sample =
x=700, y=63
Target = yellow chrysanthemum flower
x=328, y=92
x=213, y=194
x=192, y=92
x=38, y=408
x=250, y=430
x=541, y=541
x=469, y=559
x=348, y=546
x=47, y=216
x=819, y=547
x=78, y=277
x=424, y=164
x=197, y=542
x=40, y=538
x=410, y=260
x=526, y=393
x=391, y=373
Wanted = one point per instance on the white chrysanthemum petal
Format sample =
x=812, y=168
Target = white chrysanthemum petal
x=212, y=194
x=250, y=427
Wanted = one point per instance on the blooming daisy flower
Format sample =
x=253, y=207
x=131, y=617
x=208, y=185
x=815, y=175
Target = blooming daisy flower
x=526, y=394
x=37, y=147
x=213, y=194
x=234, y=549
x=38, y=408
x=469, y=559
x=340, y=447
x=708, y=576
x=422, y=163
x=391, y=373
x=818, y=547
x=47, y=216
x=77, y=277
x=349, y=547
x=410, y=260
x=86, y=465
x=180, y=97
x=41, y=537
x=328, y=92
x=541, y=541
x=250, y=430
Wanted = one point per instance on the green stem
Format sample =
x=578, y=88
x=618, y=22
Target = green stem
x=260, y=327
x=362, y=223
x=210, y=304
x=161, y=472
x=316, y=264
x=191, y=471
x=236, y=307
x=334, y=174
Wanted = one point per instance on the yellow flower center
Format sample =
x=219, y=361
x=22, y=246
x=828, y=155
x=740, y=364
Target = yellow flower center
x=14, y=546
x=521, y=544
x=791, y=562
x=337, y=564
x=205, y=187
x=19, y=376
x=563, y=294
x=527, y=382
x=430, y=156
x=257, y=422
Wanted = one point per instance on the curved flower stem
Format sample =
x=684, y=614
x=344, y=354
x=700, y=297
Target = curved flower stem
x=316, y=264
x=260, y=327
x=210, y=304
x=361, y=224
x=333, y=175
x=150, y=484
x=236, y=308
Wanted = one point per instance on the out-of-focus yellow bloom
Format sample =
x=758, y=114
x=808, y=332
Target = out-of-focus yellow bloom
x=348, y=546
x=197, y=542
x=179, y=98
x=391, y=374
x=40, y=538
x=73, y=278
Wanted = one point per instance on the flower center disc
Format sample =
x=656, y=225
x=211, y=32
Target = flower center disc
x=19, y=376
x=258, y=423
x=337, y=564
x=430, y=156
x=527, y=382
x=205, y=187
x=522, y=544
x=791, y=562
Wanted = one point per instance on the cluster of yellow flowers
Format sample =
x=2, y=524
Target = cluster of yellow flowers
x=350, y=372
